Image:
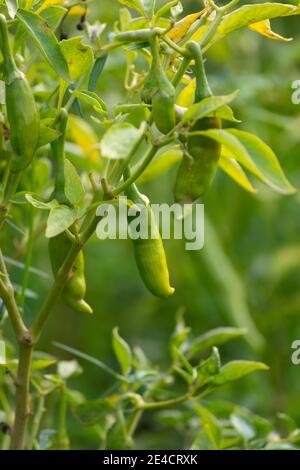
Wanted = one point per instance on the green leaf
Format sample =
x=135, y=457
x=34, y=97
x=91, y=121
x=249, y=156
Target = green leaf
x=254, y=155
x=67, y=369
x=44, y=38
x=118, y=437
x=148, y=7
x=144, y=7
x=90, y=412
x=243, y=426
x=202, y=442
x=235, y=370
x=53, y=15
x=209, y=368
x=120, y=140
x=122, y=352
x=78, y=56
x=226, y=113
x=164, y=160
x=39, y=204
x=210, y=425
x=265, y=160
x=207, y=106
x=96, y=71
x=135, y=4
x=249, y=14
x=2, y=353
x=74, y=189
x=233, y=169
x=188, y=378
x=59, y=220
x=179, y=356
x=12, y=7
x=92, y=99
x=40, y=364
x=47, y=135
x=214, y=337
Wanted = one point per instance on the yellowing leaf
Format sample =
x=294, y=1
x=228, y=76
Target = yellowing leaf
x=77, y=10
x=186, y=96
x=264, y=28
x=82, y=134
x=181, y=28
x=49, y=3
x=79, y=56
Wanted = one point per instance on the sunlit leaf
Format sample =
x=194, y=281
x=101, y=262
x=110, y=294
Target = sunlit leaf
x=120, y=140
x=79, y=57
x=181, y=28
x=231, y=167
x=264, y=28
x=122, y=352
x=44, y=38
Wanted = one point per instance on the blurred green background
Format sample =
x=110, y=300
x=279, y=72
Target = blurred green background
x=250, y=267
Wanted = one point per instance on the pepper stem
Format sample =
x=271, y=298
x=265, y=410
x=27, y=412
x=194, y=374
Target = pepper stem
x=9, y=64
x=202, y=87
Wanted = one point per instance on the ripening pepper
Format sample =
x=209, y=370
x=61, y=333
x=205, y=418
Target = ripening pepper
x=200, y=160
x=22, y=113
x=75, y=287
x=149, y=252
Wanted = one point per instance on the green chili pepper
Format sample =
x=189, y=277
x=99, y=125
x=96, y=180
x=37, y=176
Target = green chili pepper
x=74, y=290
x=200, y=161
x=22, y=112
x=159, y=92
x=58, y=152
x=149, y=253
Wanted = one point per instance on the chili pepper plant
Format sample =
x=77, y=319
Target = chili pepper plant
x=53, y=54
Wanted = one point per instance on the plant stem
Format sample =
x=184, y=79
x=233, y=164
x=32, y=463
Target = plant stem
x=165, y=403
x=181, y=71
x=60, y=280
x=62, y=442
x=13, y=180
x=150, y=155
x=7, y=295
x=28, y=259
x=22, y=396
x=36, y=422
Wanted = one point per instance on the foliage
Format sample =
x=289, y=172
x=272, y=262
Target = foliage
x=72, y=61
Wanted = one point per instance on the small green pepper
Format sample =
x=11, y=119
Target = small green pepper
x=58, y=152
x=149, y=253
x=200, y=160
x=22, y=113
x=159, y=92
x=75, y=288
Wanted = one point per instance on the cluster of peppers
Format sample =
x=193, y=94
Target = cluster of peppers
x=201, y=155
x=59, y=246
x=23, y=119
x=198, y=166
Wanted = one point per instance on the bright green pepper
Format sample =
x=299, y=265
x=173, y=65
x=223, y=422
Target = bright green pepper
x=159, y=92
x=58, y=152
x=75, y=287
x=200, y=160
x=21, y=108
x=149, y=253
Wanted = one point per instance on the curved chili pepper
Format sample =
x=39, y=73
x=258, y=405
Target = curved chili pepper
x=149, y=253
